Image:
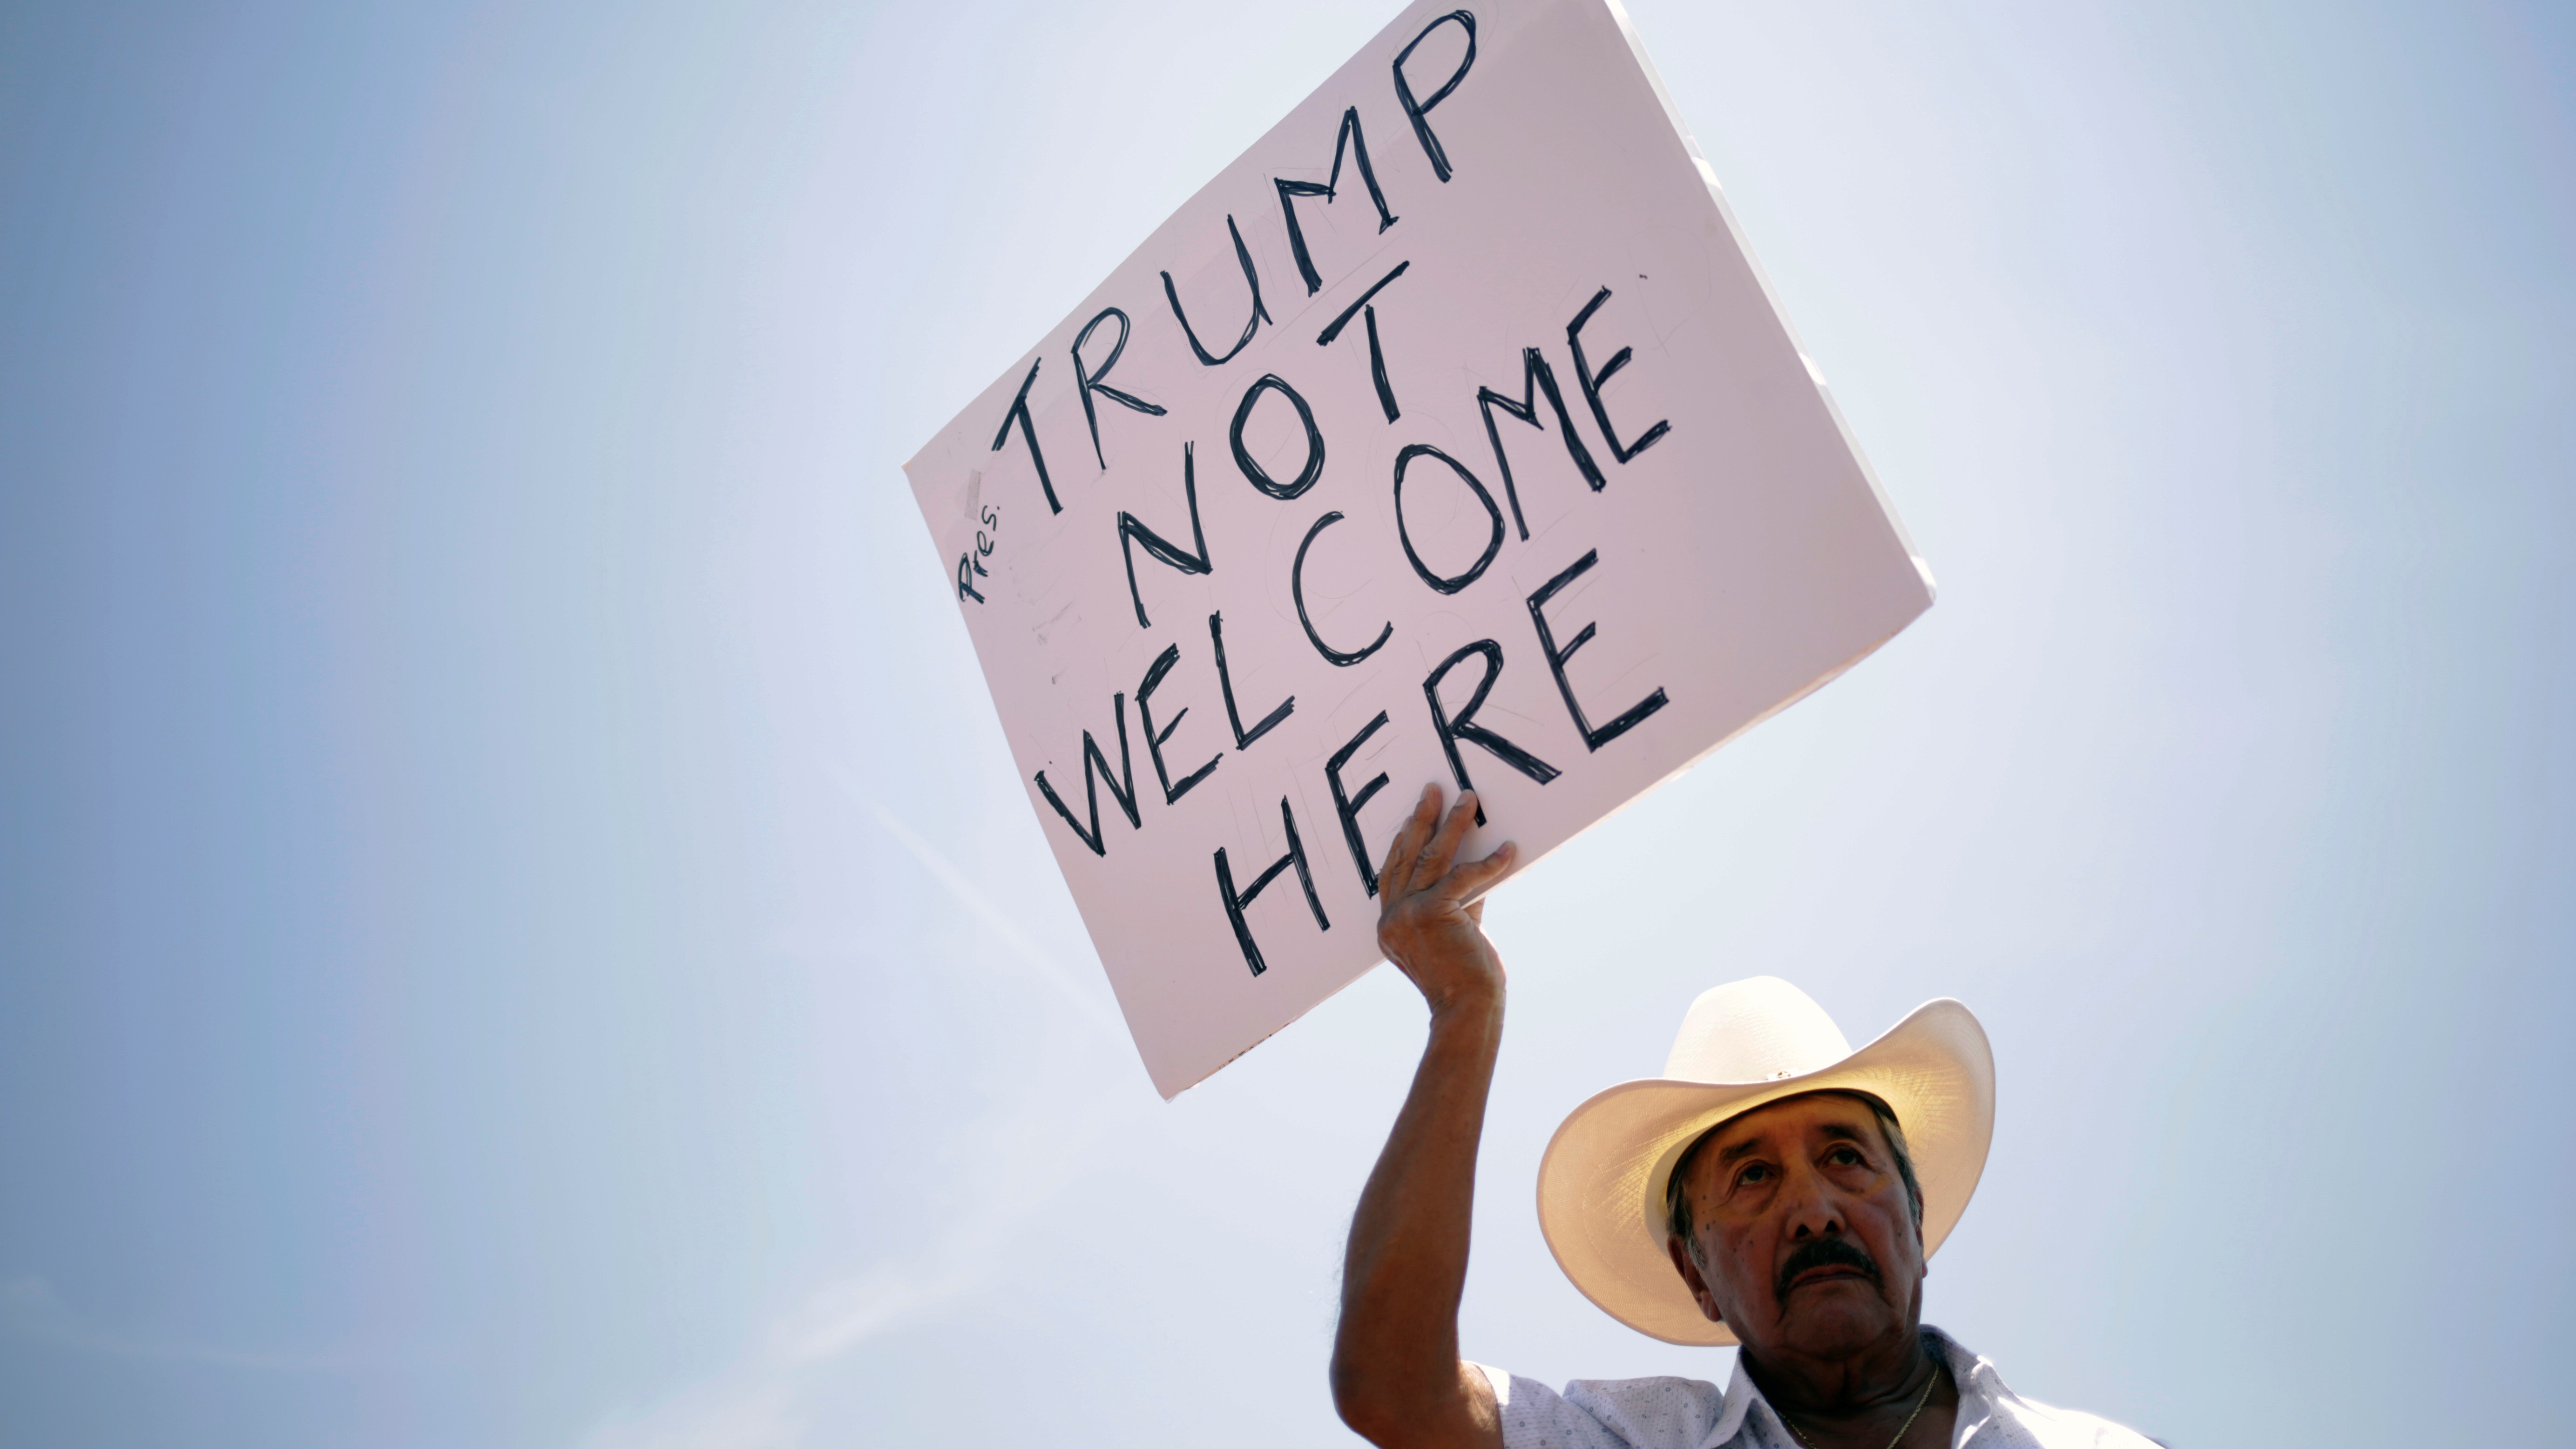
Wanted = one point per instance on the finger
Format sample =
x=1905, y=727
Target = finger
x=1395, y=878
x=1476, y=910
x=1478, y=875
x=1418, y=829
x=1444, y=846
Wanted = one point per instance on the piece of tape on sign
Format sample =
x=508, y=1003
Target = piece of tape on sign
x=1450, y=434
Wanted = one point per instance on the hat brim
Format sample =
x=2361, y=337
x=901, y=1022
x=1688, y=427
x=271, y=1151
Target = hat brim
x=1601, y=1184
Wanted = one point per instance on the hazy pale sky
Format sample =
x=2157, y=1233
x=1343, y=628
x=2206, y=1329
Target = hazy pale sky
x=518, y=927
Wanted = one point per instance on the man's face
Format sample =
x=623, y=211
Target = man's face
x=1805, y=1230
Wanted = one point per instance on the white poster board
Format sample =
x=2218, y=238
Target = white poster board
x=1449, y=435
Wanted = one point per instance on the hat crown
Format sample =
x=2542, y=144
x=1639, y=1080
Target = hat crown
x=1756, y=1030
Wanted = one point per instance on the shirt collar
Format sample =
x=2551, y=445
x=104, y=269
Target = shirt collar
x=1741, y=1396
x=1979, y=1386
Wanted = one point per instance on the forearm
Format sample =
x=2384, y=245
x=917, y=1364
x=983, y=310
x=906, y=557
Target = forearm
x=1396, y=1371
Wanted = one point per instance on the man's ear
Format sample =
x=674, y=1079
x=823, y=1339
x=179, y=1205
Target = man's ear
x=1692, y=1276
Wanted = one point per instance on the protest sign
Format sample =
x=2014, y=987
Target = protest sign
x=1451, y=434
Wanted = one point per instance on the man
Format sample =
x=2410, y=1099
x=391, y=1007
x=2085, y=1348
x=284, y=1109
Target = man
x=1774, y=1189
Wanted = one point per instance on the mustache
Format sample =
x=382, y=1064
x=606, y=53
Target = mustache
x=1834, y=1252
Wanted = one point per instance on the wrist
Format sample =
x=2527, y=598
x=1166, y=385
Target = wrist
x=1468, y=1007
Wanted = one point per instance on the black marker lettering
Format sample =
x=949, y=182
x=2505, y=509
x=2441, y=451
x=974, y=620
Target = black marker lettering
x=1122, y=786
x=1325, y=337
x=1377, y=367
x=1463, y=725
x=1019, y=413
x=1493, y=546
x=1131, y=533
x=1163, y=663
x=1592, y=739
x=1251, y=278
x=1297, y=592
x=1377, y=356
x=1236, y=901
x=1417, y=111
x=1348, y=806
x=966, y=571
x=1253, y=472
x=1349, y=136
x=1536, y=377
x=1592, y=384
x=1087, y=383
x=1225, y=684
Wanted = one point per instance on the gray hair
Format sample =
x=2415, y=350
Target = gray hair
x=1677, y=1208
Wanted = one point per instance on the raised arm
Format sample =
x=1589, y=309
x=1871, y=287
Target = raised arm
x=1397, y=1377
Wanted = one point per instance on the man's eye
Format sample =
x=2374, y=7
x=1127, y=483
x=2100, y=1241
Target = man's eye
x=1843, y=1157
x=1757, y=1172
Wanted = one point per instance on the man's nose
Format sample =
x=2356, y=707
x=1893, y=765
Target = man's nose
x=1811, y=1207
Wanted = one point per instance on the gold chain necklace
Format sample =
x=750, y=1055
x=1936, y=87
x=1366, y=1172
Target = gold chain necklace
x=1900, y=1429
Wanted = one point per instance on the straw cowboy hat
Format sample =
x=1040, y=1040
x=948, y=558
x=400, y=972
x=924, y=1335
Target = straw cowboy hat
x=1744, y=1044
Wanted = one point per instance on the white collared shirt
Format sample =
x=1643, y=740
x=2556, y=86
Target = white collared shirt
x=1689, y=1414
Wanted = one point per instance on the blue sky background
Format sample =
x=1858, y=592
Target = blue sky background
x=518, y=927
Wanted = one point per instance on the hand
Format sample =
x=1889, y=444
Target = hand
x=1430, y=916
